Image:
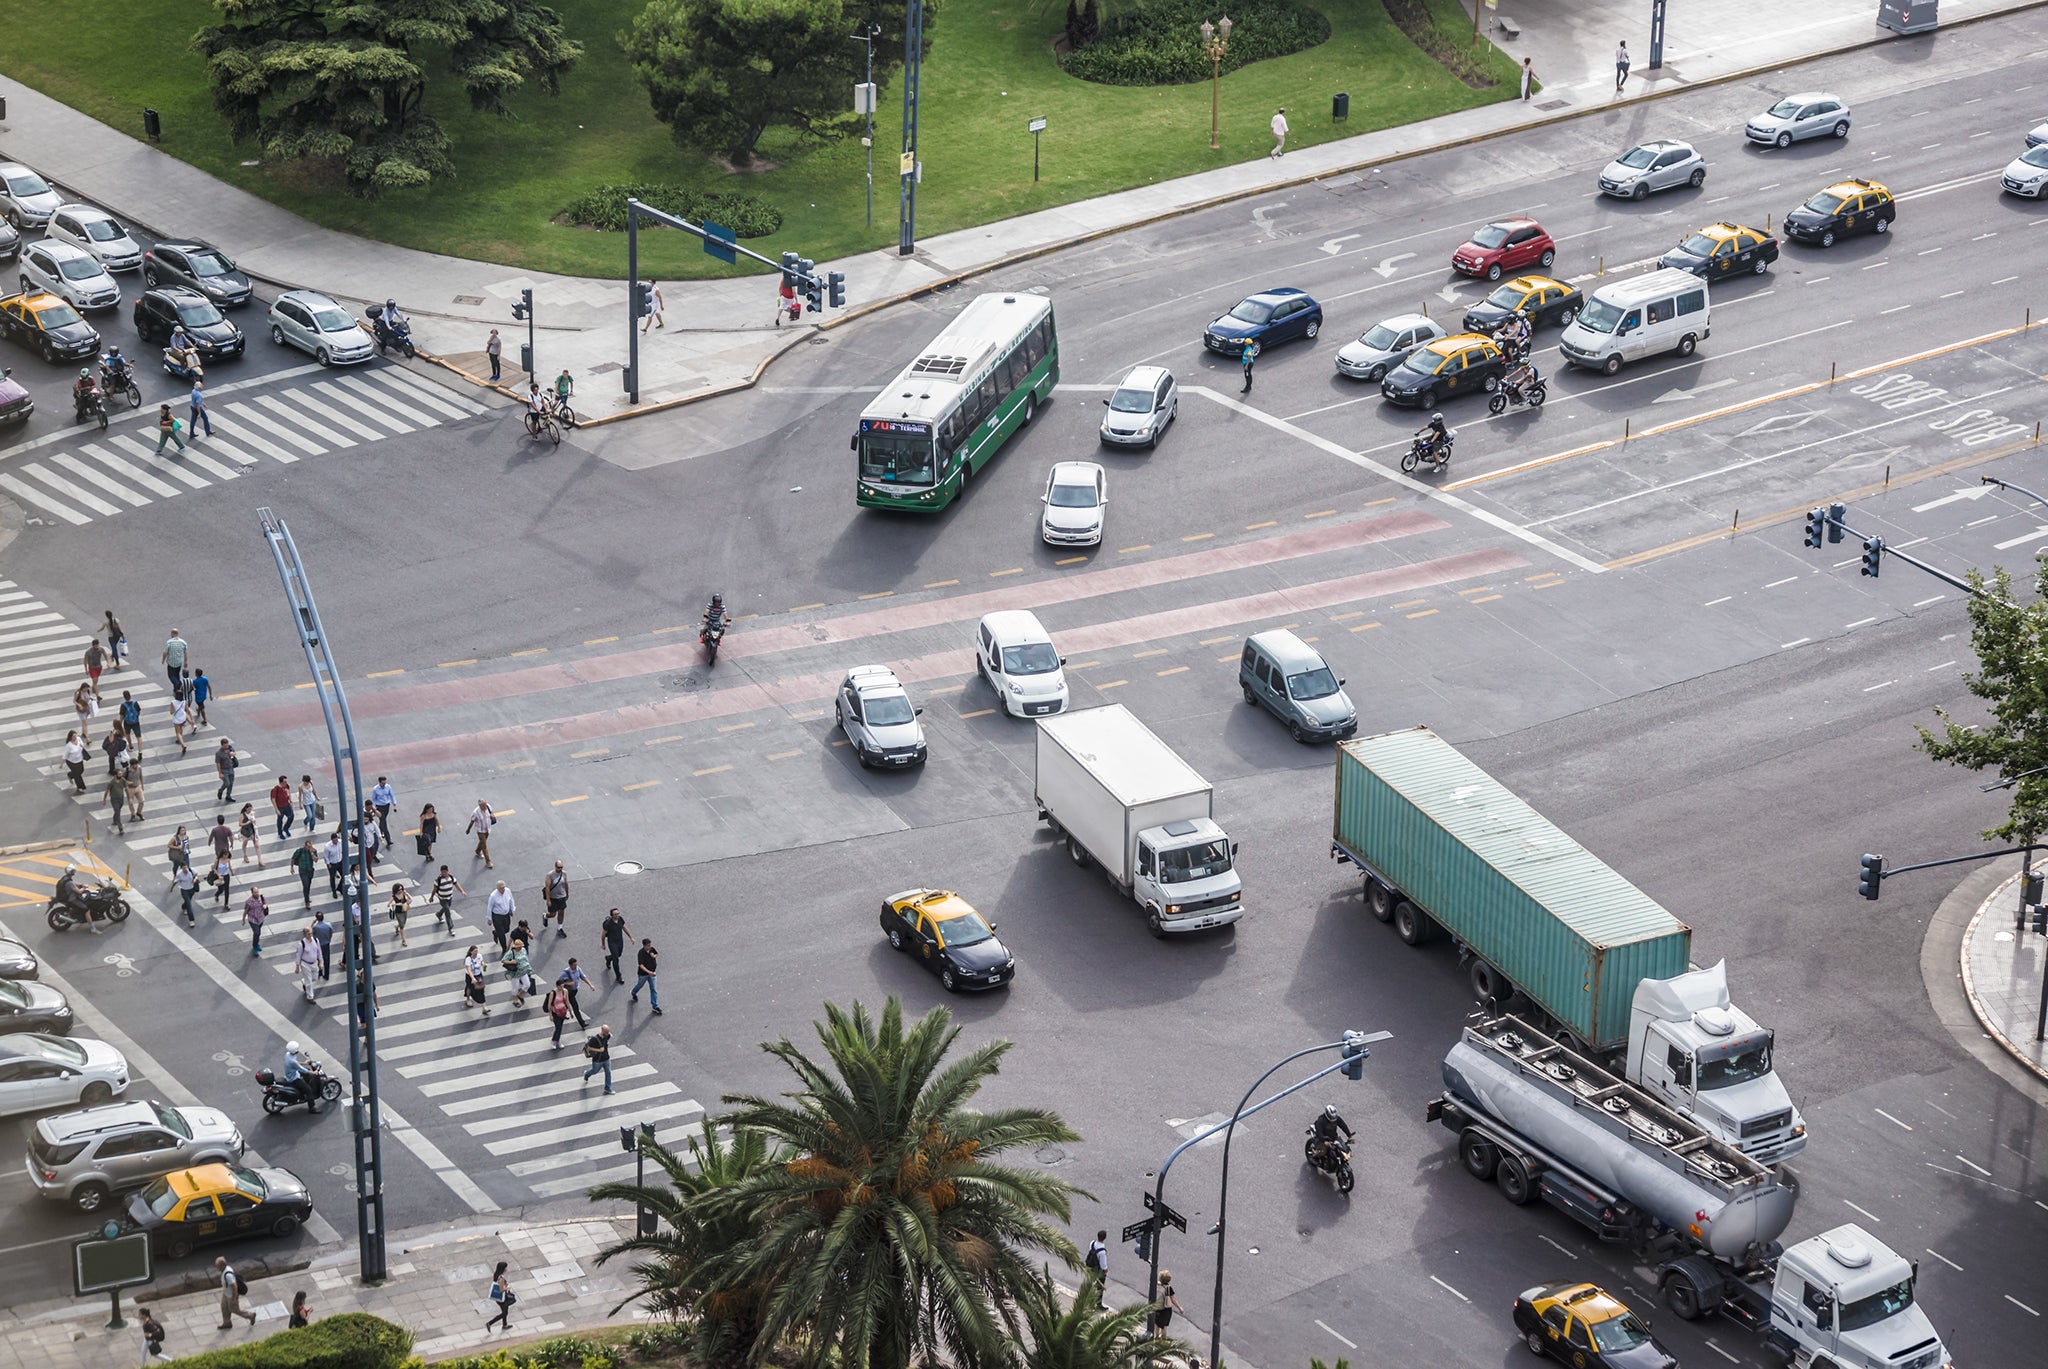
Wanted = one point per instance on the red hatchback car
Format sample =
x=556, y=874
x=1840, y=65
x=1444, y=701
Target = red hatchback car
x=1503, y=246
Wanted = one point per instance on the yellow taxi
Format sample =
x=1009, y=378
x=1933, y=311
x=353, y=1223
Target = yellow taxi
x=188, y=1208
x=1856, y=205
x=42, y=322
x=1544, y=299
x=1723, y=249
x=1587, y=1328
x=943, y=930
x=1462, y=363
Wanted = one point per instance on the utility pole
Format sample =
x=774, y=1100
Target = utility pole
x=865, y=104
x=364, y=1120
x=913, y=54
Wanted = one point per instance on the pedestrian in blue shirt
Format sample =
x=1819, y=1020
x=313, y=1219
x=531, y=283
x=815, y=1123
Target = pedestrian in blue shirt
x=202, y=688
x=383, y=797
x=131, y=721
x=199, y=417
x=1251, y=350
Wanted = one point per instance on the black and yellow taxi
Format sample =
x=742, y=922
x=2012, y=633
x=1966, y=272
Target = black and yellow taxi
x=1587, y=1328
x=1852, y=206
x=944, y=932
x=1463, y=363
x=1724, y=249
x=1543, y=299
x=188, y=1208
x=46, y=323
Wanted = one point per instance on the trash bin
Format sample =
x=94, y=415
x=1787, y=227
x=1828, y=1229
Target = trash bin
x=526, y=358
x=1908, y=16
x=1340, y=107
x=3, y=109
x=152, y=124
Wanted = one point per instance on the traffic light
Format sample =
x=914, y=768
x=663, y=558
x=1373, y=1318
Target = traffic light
x=1873, y=555
x=1145, y=1242
x=1816, y=526
x=643, y=298
x=835, y=286
x=789, y=260
x=1836, y=513
x=523, y=309
x=813, y=301
x=1355, y=1054
x=1873, y=875
x=2041, y=921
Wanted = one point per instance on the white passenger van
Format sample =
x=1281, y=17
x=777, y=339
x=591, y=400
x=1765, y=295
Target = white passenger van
x=1664, y=311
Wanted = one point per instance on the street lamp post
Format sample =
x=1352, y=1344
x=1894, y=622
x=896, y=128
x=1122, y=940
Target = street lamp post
x=1215, y=42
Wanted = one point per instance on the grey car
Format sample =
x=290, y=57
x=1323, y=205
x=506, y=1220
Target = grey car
x=1661, y=165
x=85, y=1157
x=26, y=198
x=1143, y=407
x=1798, y=117
x=878, y=719
x=10, y=240
x=206, y=269
x=313, y=323
x=1385, y=345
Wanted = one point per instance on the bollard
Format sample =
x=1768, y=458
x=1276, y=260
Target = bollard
x=1887, y=475
x=1831, y=373
x=1624, y=429
x=1600, y=265
x=1736, y=526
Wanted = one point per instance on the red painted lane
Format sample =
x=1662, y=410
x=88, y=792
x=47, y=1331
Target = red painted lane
x=814, y=690
x=624, y=665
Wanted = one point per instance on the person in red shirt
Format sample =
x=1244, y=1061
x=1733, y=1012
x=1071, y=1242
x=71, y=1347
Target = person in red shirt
x=281, y=800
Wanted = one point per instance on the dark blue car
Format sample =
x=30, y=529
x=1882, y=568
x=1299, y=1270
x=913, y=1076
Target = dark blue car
x=1263, y=319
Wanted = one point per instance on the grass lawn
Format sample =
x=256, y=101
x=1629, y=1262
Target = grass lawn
x=990, y=71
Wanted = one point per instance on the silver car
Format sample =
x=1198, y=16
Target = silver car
x=85, y=1157
x=70, y=273
x=1798, y=117
x=26, y=198
x=877, y=717
x=39, y=1072
x=2027, y=174
x=98, y=232
x=1385, y=345
x=1660, y=165
x=2037, y=135
x=1142, y=408
x=311, y=322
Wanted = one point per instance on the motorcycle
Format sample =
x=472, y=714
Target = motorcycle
x=312, y=1088
x=1519, y=387
x=92, y=405
x=104, y=899
x=388, y=337
x=710, y=635
x=1438, y=455
x=119, y=382
x=183, y=365
x=1333, y=1159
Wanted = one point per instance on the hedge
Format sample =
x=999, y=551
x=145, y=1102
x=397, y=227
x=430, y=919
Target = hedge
x=559, y=1352
x=349, y=1340
x=604, y=207
x=1160, y=43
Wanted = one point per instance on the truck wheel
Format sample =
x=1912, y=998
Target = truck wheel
x=1478, y=1156
x=1156, y=924
x=1514, y=1180
x=1074, y=849
x=1411, y=923
x=1682, y=1298
x=1380, y=899
x=1489, y=986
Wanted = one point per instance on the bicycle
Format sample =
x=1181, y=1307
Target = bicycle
x=566, y=414
x=544, y=424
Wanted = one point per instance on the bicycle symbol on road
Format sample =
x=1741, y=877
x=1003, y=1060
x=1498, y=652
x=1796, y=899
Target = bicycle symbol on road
x=233, y=1061
x=344, y=1172
x=124, y=965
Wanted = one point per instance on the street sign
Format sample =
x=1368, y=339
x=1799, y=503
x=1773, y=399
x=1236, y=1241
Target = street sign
x=906, y=164
x=718, y=242
x=100, y=1263
x=1135, y=1230
x=1166, y=1214
x=1037, y=126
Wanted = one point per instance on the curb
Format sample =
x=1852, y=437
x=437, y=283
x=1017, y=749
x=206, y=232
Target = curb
x=1969, y=988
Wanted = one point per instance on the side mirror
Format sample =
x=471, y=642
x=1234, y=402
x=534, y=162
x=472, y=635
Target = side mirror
x=1063, y=660
x=915, y=712
x=1105, y=404
x=853, y=443
x=1042, y=498
x=1340, y=682
x=1233, y=848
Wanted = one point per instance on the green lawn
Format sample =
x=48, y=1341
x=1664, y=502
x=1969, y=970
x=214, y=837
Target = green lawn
x=991, y=70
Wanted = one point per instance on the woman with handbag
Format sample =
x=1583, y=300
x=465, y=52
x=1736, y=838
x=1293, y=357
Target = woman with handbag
x=430, y=832
x=84, y=705
x=401, y=904
x=558, y=1008
x=502, y=1294
x=473, y=980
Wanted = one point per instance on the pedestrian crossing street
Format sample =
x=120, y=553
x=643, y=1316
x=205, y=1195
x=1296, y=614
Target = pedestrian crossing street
x=80, y=474
x=496, y=1080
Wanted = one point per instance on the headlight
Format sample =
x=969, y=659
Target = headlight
x=1172, y=908
x=1016, y=689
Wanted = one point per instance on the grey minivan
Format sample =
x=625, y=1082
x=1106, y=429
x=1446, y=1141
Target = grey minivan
x=1291, y=680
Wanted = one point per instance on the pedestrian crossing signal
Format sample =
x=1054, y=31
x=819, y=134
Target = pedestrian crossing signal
x=522, y=309
x=643, y=299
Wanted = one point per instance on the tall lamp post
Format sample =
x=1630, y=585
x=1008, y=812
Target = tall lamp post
x=1215, y=42
x=869, y=32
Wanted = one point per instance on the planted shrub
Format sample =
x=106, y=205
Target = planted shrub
x=1160, y=43
x=348, y=1340
x=604, y=207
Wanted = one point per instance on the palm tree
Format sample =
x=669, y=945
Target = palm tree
x=891, y=1233
x=697, y=1233
x=1081, y=1335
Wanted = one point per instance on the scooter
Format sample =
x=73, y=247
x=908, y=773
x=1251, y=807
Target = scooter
x=119, y=382
x=388, y=337
x=1438, y=455
x=1333, y=1159
x=313, y=1087
x=710, y=635
x=104, y=899
x=1518, y=388
x=183, y=365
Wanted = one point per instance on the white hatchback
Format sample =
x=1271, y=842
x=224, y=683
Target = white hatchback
x=70, y=273
x=1016, y=656
x=98, y=232
x=1075, y=495
x=39, y=1071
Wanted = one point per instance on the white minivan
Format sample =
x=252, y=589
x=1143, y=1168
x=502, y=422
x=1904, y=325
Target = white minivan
x=1016, y=656
x=1664, y=311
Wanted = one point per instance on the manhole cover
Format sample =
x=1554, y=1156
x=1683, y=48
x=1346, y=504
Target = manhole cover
x=469, y=299
x=628, y=867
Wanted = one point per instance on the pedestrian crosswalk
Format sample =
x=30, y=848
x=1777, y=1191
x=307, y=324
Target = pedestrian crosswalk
x=80, y=474
x=498, y=1081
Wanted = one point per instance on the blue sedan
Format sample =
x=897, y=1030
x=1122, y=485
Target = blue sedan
x=1265, y=318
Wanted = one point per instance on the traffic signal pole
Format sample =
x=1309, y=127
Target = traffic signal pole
x=1829, y=523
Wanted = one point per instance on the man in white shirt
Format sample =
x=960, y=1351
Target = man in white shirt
x=334, y=854
x=1280, y=131
x=501, y=908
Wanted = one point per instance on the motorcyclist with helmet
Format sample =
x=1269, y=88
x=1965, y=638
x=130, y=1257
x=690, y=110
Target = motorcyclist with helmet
x=113, y=370
x=392, y=318
x=83, y=391
x=714, y=613
x=71, y=896
x=301, y=1076
x=1433, y=437
x=1514, y=335
x=1329, y=1125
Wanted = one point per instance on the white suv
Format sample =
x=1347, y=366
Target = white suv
x=98, y=232
x=70, y=273
x=311, y=322
x=1017, y=658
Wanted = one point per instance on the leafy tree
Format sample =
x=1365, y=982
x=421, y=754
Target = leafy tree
x=720, y=73
x=1080, y=1335
x=2011, y=641
x=893, y=1234
x=698, y=1229
x=346, y=79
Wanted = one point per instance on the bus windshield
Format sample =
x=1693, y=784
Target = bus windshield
x=898, y=458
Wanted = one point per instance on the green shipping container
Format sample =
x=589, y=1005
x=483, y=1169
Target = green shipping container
x=1535, y=905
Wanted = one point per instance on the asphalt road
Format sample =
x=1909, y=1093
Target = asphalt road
x=1721, y=713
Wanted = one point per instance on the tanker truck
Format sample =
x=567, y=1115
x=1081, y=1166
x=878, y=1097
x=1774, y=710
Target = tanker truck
x=1541, y=1121
x=1547, y=929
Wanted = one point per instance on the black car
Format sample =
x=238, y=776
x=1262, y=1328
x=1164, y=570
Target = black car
x=1463, y=363
x=1587, y=1329
x=206, y=269
x=44, y=323
x=943, y=930
x=188, y=1208
x=158, y=311
x=1851, y=206
x=1724, y=249
x=16, y=960
x=26, y=1006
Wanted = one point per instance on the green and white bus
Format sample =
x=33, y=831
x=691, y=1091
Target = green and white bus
x=943, y=418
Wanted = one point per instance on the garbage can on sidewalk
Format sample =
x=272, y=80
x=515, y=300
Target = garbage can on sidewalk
x=1340, y=107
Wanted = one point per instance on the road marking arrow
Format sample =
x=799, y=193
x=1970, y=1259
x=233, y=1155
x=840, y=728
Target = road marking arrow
x=1335, y=245
x=1259, y=218
x=1973, y=493
x=1386, y=267
x=1670, y=395
x=1449, y=294
x=2033, y=536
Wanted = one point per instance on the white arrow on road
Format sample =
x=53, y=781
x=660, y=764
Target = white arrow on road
x=2009, y=543
x=1335, y=245
x=1386, y=267
x=1449, y=294
x=1259, y=217
x=1974, y=492
x=1670, y=395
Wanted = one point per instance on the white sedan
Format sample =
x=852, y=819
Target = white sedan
x=1075, y=495
x=2027, y=174
x=39, y=1071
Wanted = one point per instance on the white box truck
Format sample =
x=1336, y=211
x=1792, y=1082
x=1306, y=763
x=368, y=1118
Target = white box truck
x=1123, y=800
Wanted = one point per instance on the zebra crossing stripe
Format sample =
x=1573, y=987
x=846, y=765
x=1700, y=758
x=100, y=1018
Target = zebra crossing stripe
x=596, y=1102
x=333, y=415
x=260, y=443
x=137, y=447
x=192, y=456
x=58, y=483
x=87, y=473
x=248, y=414
x=28, y=494
x=130, y=473
x=418, y=396
x=366, y=403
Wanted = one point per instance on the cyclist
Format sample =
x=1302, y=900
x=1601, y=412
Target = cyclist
x=538, y=406
x=565, y=386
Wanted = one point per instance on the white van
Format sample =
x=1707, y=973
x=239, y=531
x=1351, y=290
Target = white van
x=1665, y=311
x=1016, y=656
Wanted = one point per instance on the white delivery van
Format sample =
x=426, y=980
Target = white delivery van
x=1664, y=311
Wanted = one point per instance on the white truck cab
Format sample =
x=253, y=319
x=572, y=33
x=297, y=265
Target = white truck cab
x=1845, y=1297
x=1696, y=1052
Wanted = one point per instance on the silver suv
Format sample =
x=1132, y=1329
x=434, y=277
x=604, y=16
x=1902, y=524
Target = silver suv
x=313, y=323
x=85, y=1157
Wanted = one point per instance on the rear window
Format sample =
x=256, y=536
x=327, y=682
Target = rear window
x=1692, y=301
x=54, y=1155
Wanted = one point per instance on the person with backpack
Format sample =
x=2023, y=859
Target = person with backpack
x=598, y=1051
x=232, y=1289
x=558, y=1008
x=1097, y=1259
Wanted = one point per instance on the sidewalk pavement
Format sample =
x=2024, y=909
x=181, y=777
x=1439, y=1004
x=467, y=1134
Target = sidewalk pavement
x=2005, y=974
x=721, y=335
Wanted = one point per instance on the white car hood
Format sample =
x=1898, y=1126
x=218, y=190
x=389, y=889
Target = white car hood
x=1038, y=686
x=1118, y=421
x=1072, y=520
x=897, y=735
x=2025, y=172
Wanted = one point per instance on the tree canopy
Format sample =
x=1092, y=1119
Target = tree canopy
x=2011, y=641
x=346, y=79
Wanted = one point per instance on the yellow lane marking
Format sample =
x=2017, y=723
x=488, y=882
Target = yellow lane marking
x=579, y=755
x=1269, y=523
x=1476, y=589
x=1320, y=513
x=21, y=896
x=1212, y=641
x=679, y=627
x=573, y=798
x=949, y=689
x=999, y=574
x=978, y=713
x=742, y=617
x=1533, y=465
x=1085, y=665
x=1547, y=584
x=1289, y=627
x=657, y=741
x=1375, y=503
x=841, y=742
x=599, y=641
x=307, y=685
x=1175, y=670
x=942, y=584
x=814, y=713
x=1311, y=639
x=1365, y=627
x=436, y=779
x=450, y=665
x=735, y=727
x=382, y=674
x=503, y=812
x=1423, y=614
x=879, y=594
x=1353, y=613
x=1546, y=575
x=710, y=770
x=1410, y=603
x=1070, y=560
x=517, y=765
x=1112, y=684
x=1198, y=537
x=245, y=694
x=643, y=784
x=1486, y=600
x=784, y=755
x=1155, y=651
x=1126, y=551
x=1231, y=657
x=805, y=608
